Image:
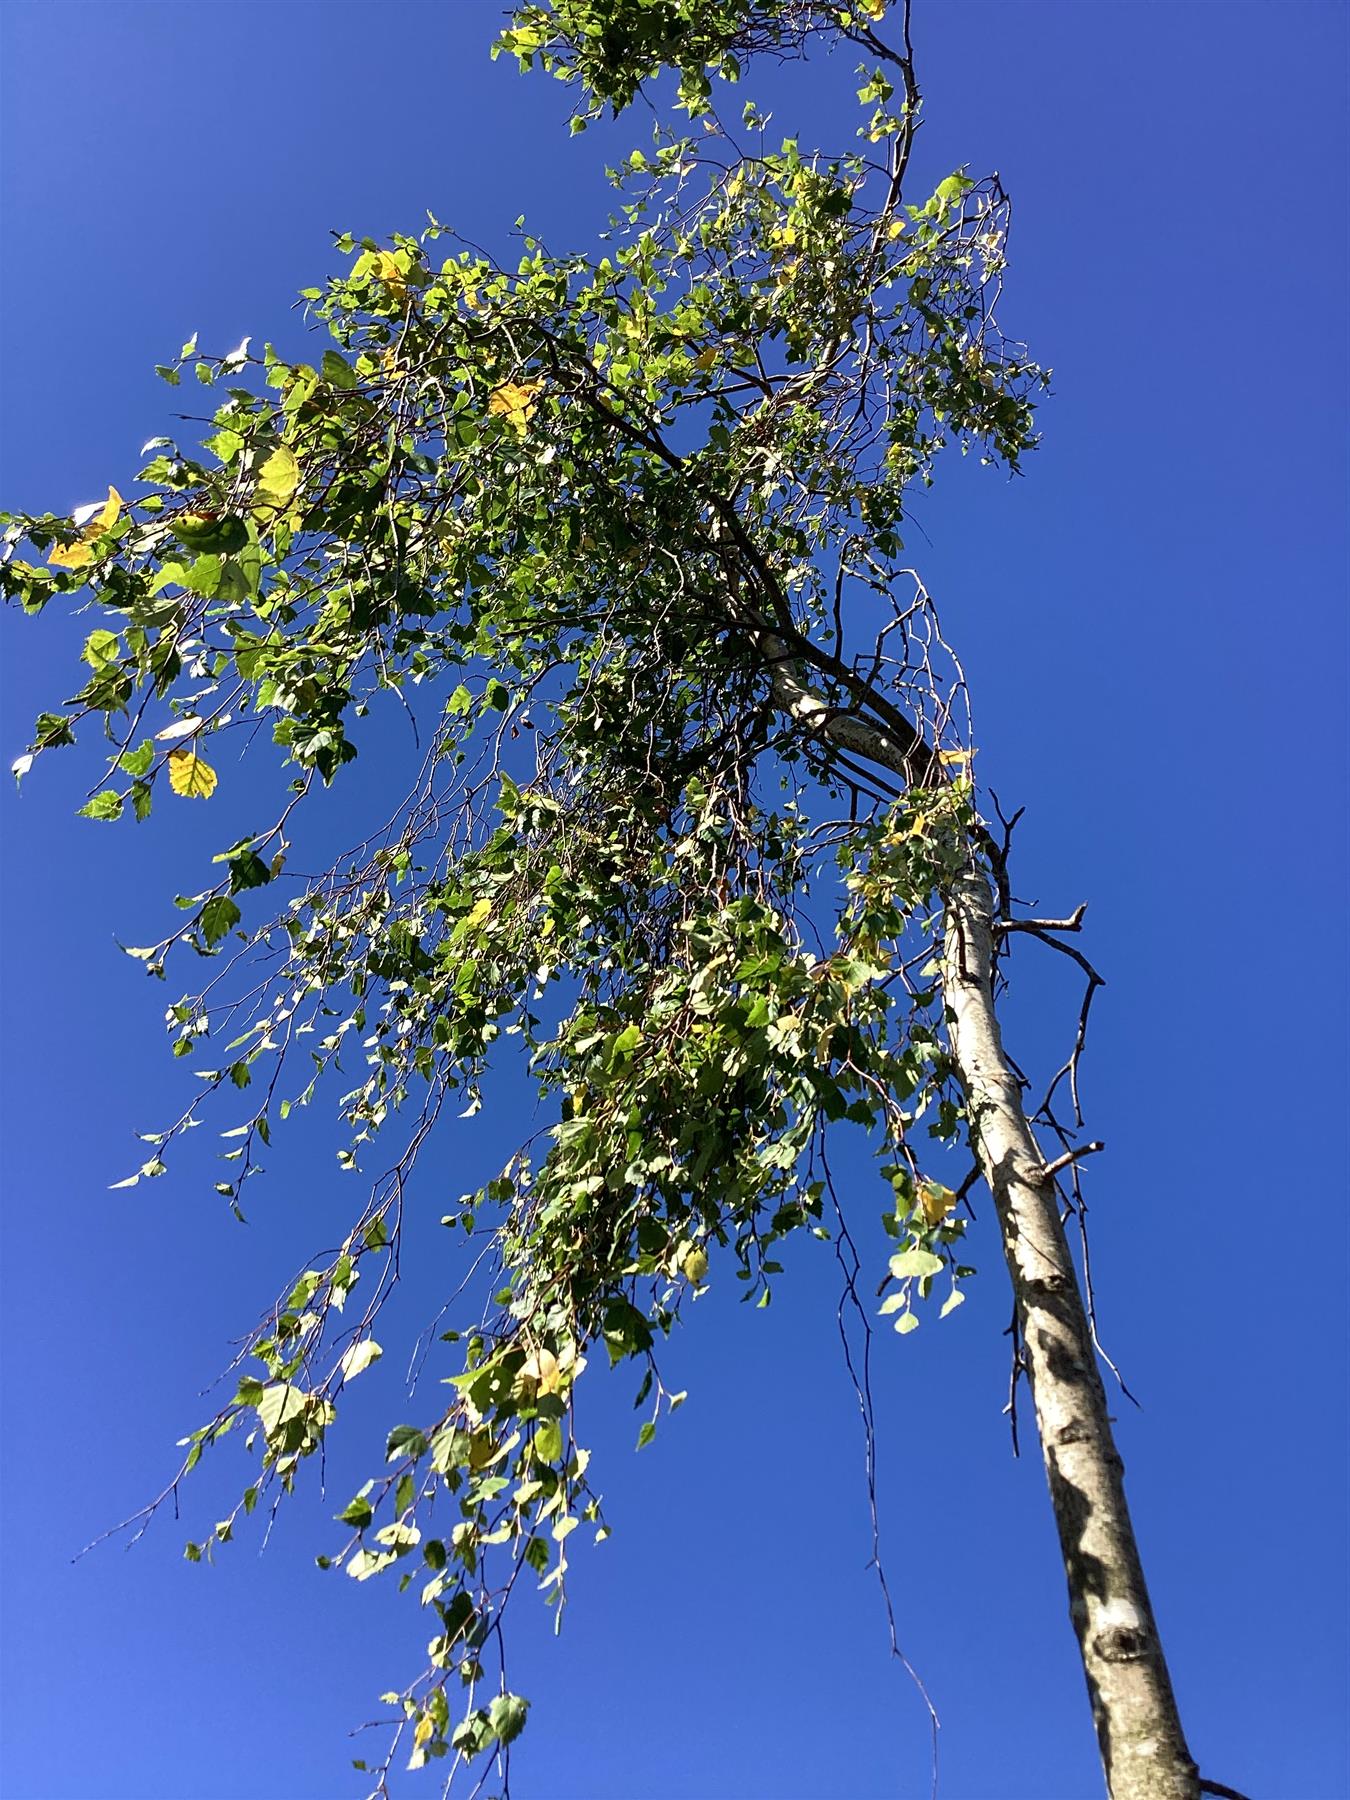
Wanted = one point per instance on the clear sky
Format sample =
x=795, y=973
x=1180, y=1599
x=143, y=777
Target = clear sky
x=1154, y=626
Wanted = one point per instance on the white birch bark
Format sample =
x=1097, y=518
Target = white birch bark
x=1143, y=1748
x=1139, y=1730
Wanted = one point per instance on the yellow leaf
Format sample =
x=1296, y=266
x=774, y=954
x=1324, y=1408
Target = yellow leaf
x=478, y=913
x=514, y=402
x=278, y=478
x=387, y=266
x=706, y=358
x=80, y=553
x=694, y=1266
x=542, y=1372
x=388, y=269
x=959, y=759
x=937, y=1201
x=425, y=1727
x=190, y=776
x=111, y=507
x=71, y=556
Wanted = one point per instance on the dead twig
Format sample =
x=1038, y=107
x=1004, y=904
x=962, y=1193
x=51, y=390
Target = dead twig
x=1070, y=1156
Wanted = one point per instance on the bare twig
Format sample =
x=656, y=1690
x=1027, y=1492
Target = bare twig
x=1073, y=923
x=1072, y=1156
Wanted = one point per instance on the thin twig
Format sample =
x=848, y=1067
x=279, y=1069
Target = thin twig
x=1073, y=923
x=862, y=1388
x=1014, y=1375
x=1071, y=1156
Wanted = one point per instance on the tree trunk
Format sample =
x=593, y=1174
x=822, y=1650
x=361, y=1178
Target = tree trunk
x=1142, y=1744
x=1143, y=1747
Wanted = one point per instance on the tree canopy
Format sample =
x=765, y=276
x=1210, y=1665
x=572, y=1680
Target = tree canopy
x=622, y=532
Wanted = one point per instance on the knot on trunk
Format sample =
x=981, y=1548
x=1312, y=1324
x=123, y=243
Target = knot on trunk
x=1123, y=1643
x=1033, y=1173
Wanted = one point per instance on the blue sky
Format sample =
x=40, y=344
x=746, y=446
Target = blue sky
x=1153, y=622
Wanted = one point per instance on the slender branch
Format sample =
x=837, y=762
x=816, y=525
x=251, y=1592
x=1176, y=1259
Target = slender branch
x=1073, y=923
x=1072, y=1156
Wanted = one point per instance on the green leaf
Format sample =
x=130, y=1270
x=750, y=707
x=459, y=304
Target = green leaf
x=247, y=870
x=278, y=1404
x=218, y=918
x=370, y=1562
x=506, y=1717
x=107, y=806
x=359, y=1357
x=398, y=1536
x=336, y=371
x=202, y=576
x=404, y=1440
x=100, y=649
x=915, y=1262
x=646, y=1434
x=358, y=1512
x=137, y=762
x=548, y=1442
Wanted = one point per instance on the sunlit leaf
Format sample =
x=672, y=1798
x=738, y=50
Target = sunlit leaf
x=915, y=1262
x=360, y=1356
x=93, y=520
x=179, y=728
x=190, y=776
x=278, y=478
x=278, y=1403
x=514, y=402
x=390, y=271
x=937, y=1201
x=387, y=266
x=695, y=1266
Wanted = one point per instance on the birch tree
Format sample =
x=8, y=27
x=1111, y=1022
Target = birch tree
x=692, y=825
